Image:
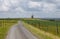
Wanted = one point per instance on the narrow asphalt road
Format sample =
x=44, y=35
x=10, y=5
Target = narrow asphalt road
x=18, y=31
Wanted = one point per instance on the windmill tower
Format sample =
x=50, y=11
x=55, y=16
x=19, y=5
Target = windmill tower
x=32, y=16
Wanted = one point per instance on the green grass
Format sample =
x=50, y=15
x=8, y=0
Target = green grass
x=48, y=26
x=36, y=31
x=5, y=25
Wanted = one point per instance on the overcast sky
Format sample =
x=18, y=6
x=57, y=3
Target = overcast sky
x=25, y=8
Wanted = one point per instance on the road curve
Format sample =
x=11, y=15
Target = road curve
x=18, y=31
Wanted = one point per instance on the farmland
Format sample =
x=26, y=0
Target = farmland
x=5, y=25
x=45, y=25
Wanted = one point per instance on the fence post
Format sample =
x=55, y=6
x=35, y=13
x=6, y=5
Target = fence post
x=39, y=25
x=56, y=27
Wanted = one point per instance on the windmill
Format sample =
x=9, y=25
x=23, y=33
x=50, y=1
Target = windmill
x=32, y=16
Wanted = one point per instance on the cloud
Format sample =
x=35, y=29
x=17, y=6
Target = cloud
x=32, y=4
x=19, y=9
x=48, y=7
x=44, y=8
x=26, y=5
x=6, y=5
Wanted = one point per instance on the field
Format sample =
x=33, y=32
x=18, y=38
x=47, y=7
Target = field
x=37, y=32
x=5, y=25
x=46, y=25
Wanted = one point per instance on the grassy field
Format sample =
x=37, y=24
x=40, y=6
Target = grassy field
x=46, y=25
x=37, y=32
x=5, y=26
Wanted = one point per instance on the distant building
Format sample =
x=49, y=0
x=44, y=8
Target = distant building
x=32, y=16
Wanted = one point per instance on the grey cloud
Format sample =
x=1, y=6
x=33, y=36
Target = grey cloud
x=17, y=9
x=36, y=0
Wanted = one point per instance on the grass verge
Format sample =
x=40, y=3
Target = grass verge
x=36, y=31
x=5, y=25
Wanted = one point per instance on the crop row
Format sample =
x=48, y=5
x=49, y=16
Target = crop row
x=48, y=26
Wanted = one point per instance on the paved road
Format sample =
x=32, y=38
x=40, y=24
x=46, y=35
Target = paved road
x=19, y=32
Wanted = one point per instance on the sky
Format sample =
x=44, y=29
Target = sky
x=25, y=8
